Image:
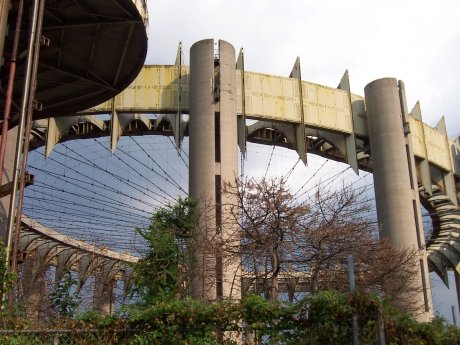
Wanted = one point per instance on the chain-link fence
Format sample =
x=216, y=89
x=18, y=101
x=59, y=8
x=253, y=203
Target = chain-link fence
x=68, y=337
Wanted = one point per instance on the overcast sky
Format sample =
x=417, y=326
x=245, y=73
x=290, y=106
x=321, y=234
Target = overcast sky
x=415, y=41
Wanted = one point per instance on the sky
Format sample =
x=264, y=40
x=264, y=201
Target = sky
x=414, y=41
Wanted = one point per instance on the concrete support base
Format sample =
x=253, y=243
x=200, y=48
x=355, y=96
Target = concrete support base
x=33, y=285
x=104, y=295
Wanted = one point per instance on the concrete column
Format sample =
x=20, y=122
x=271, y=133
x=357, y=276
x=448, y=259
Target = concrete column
x=104, y=294
x=33, y=285
x=417, y=206
x=389, y=163
x=392, y=182
x=213, y=160
x=202, y=165
x=60, y=268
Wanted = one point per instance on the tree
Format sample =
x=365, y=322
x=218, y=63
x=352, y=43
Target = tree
x=338, y=226
x=304, y=244
x=269, y=217
x=163, y=270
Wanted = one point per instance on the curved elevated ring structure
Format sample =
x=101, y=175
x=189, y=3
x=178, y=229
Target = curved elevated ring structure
x=41, y=247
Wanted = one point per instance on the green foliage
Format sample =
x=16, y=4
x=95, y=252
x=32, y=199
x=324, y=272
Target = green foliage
x=184, y=321
x=6, y=278
x=329, y=316
x=63, y=299
x=163, y=318
x=324, y=318
x=158, y=273
x=96, y=319
x=403, y=329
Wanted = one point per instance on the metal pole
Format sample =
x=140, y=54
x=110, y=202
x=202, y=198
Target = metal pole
x=381, y=330
x=351, y=282
x=22, y=120
x=351, y=274
x=9, y=90
x=454, y=316
x=31, y=96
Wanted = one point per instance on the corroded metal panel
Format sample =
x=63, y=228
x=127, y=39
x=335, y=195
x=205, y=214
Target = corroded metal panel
x=327, y=108
x=154, y=90
x=271, y=97
x=418, y=143
x=437, y=146
x=437, y=150
x=277, y=98
x=359, y=115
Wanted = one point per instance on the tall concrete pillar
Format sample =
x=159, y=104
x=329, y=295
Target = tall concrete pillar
x=104, y=290
x=394, y=184
x=213, y=161
x=104, y=294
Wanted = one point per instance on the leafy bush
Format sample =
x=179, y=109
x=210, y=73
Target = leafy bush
x=64, y=299
x=324, y=318
x=158, y=273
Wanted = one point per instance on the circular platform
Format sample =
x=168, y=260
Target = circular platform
x=96, y=49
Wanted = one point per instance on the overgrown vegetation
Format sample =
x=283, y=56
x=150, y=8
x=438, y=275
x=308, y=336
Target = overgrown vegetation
x=64, y=299
x=166, y=314
x=283, y=235
x=162, y=271
x=6, y=278
x=324, y=318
